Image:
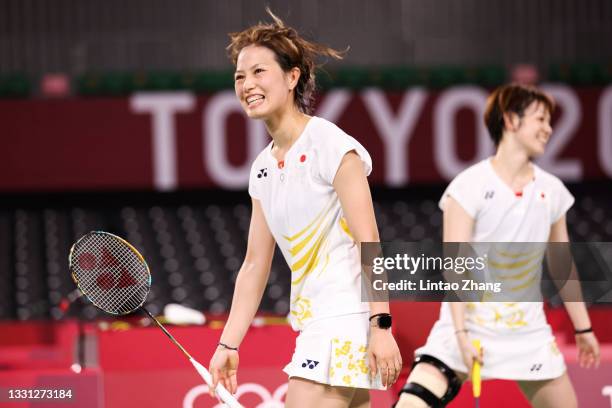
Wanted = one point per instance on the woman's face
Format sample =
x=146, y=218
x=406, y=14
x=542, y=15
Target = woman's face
x=262, y=87
x=534, y=129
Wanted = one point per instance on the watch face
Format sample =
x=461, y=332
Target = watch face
x=384, y=321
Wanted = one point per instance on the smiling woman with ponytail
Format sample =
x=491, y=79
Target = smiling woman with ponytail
x=310, y=196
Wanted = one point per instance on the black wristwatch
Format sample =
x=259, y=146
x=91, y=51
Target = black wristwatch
x=381, y=320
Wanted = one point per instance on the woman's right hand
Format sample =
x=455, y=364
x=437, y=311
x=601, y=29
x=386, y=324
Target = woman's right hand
x=469, y=353
x=223, y=368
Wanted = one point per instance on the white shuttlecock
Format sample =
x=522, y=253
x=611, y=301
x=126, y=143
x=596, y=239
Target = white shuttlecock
x=179, y=314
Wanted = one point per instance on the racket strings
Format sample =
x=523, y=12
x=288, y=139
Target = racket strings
x=111, y=274
x=116, y=295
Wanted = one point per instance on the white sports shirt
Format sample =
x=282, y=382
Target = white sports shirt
x=501, y=215
x=305, y=217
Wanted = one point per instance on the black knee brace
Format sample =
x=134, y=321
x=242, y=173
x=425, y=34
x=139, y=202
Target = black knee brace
x=454, y=384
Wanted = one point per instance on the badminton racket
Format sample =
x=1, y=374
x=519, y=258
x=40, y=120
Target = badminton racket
x=115, y=278
x=476, y=380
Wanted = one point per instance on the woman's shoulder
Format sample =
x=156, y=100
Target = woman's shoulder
x=323, y=130
x=327, y=136
x=474, y=173
x=546, y=177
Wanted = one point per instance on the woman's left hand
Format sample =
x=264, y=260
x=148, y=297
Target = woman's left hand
x=384, y=355
x=588, y=350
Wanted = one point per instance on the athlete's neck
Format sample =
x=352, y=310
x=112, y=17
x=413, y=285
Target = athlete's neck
x=286, y=128
x=512, y=164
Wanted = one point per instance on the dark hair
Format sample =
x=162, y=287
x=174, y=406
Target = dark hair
x=512, y=98
x=290, y=50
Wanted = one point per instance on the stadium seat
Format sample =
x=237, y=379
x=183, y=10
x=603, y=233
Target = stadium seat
x=194, y=249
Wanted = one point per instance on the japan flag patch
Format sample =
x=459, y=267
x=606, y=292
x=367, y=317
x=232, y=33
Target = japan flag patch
x=542, y=196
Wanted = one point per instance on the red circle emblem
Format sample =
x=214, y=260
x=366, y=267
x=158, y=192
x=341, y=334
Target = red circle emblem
x=281, y=164
x=303, y=158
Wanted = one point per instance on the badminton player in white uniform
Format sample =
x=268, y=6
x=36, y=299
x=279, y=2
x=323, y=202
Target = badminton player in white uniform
x=310, y=196
x=505, y=198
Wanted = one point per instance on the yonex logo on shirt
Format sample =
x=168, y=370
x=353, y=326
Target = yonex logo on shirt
x=262, y=173
x=489, y=194
x=536, y=367
x=310, y=364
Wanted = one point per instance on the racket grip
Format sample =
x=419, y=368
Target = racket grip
x=223, y=394
x=476, y=380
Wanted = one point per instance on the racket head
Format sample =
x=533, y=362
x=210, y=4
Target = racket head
x=109, y=272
